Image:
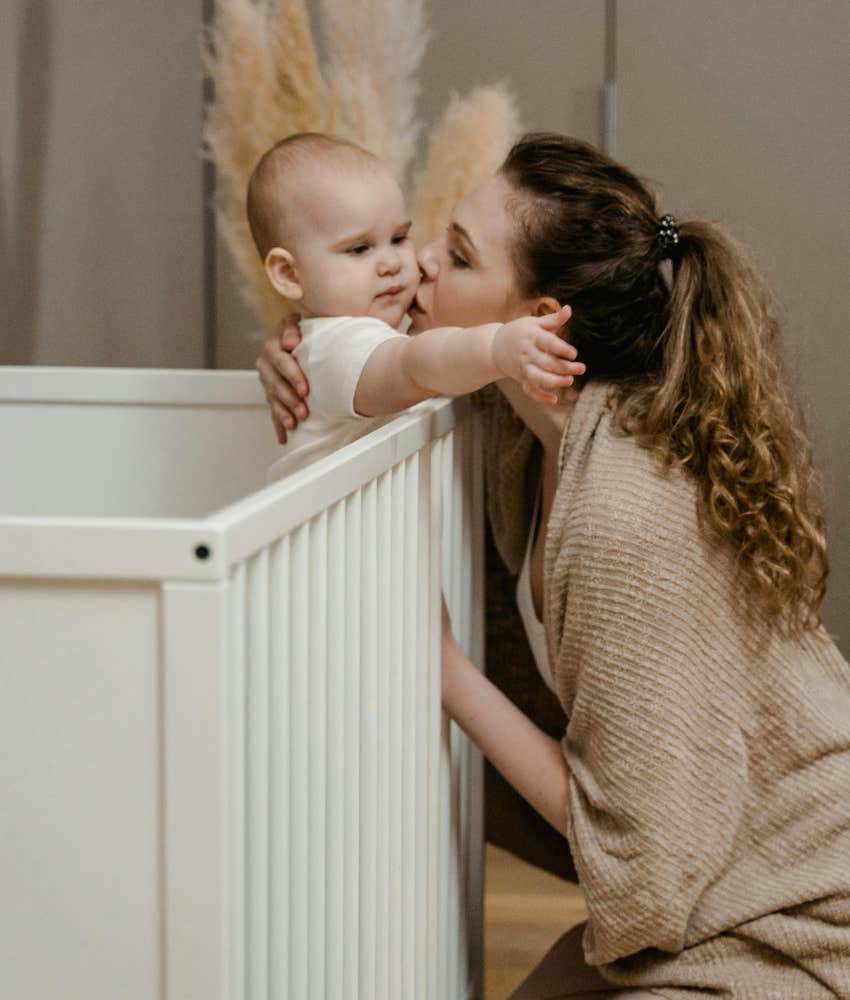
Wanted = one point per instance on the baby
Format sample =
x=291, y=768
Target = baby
x=332, y=229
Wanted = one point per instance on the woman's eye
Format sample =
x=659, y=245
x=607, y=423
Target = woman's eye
x=457, y=260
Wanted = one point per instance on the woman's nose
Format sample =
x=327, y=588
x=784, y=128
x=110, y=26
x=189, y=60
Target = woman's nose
x=427, y=259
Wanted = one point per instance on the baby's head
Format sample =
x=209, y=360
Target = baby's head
x=331, y=226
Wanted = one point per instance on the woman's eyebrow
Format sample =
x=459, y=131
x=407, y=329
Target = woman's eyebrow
x=456, y=227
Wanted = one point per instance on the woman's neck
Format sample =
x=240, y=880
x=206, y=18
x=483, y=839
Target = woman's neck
x=546, y=423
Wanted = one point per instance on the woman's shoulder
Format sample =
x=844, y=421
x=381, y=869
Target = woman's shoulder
x=621, y=484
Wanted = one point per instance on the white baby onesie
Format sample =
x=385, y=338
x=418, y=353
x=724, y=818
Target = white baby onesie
x=332, y=354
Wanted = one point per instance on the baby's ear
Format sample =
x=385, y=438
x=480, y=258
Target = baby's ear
x=282, y=273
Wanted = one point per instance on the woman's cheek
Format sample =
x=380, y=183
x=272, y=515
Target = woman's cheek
x=447, y=305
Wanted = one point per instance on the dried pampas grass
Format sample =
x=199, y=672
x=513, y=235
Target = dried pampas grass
x=375, y=49
x=268, y=84
x=466, y=146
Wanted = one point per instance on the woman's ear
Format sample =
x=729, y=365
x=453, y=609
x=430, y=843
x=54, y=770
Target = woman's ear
x=282, y=273
x=545, y=306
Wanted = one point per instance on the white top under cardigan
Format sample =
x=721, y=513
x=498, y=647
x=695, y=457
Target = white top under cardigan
x=534, y=628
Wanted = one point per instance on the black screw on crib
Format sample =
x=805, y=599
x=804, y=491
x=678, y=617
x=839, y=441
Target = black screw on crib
x=202, y=552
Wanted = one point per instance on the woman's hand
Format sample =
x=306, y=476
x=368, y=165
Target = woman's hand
x=283, y=381
x=530, y=351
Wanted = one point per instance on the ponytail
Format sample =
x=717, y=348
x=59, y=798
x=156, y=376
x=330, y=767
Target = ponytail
x=720, y=408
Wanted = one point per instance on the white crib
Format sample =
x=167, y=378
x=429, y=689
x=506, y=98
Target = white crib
x=225, y=773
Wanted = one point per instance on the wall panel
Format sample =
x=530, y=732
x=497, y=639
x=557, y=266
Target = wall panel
x=100, y=183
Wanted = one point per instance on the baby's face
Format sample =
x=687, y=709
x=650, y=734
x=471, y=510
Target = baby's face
x=352, y=250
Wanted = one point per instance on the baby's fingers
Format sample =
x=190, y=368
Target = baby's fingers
x=554, y=321
x=559, y=366
x=550, y=398
x=547, y=381
x=551, y=343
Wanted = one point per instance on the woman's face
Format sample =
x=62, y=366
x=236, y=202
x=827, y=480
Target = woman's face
x=468, y=274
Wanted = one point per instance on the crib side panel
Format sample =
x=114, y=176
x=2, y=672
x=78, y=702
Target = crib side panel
x=333, y=681
x=81, y=822
x=353, y=868
x=130, y=443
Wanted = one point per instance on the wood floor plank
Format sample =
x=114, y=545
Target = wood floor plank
x=525, y=911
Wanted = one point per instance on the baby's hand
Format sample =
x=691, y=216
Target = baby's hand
x=529, y=350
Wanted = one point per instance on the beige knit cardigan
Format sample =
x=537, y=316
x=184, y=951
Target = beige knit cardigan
x=709, y=758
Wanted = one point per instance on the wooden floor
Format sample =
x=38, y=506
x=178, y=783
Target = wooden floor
x=525, y=911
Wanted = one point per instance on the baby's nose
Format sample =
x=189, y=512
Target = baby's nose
x=389, y=263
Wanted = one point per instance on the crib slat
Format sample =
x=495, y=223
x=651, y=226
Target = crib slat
x=410, y=835
x=280, y=852
x=459, y=485
x=352, y=725
x=300, y=763
x=439, y=825
x=424, y=819
x=474, y=765
x=369, y=820
x=257, y=778
x=449, y=887
x=383, y=762
x=336, y=832
x=396, y=667
x=317, y=711
x=236, y=743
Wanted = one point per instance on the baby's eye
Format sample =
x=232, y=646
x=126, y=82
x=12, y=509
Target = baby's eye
x=457, y=260
x=400, y=238
x=361, y=248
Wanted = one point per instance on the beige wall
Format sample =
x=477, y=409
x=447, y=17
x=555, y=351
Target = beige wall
x=100, y=183
x=739, y=112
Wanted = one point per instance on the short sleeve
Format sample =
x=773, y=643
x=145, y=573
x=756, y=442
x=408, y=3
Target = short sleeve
x=333, y=355
x=658, y=762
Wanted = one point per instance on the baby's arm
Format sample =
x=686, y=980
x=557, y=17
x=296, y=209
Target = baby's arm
x=451, y=361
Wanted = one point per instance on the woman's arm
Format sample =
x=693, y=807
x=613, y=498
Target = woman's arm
x=452, y=361
x=529, y=759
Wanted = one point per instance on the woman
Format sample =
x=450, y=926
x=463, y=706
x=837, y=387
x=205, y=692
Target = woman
x=672, y=563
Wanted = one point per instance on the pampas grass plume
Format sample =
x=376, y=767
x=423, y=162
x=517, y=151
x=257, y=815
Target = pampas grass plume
x=374, y=52
x=263, y=65
x=467, y=145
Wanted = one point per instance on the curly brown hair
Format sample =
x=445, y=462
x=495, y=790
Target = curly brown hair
x=697, y=358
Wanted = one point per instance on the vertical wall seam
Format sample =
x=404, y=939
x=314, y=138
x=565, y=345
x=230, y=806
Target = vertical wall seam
x=608, y=94
x=208, y=231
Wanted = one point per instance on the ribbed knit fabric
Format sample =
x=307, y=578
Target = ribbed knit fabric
x=709, y=757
